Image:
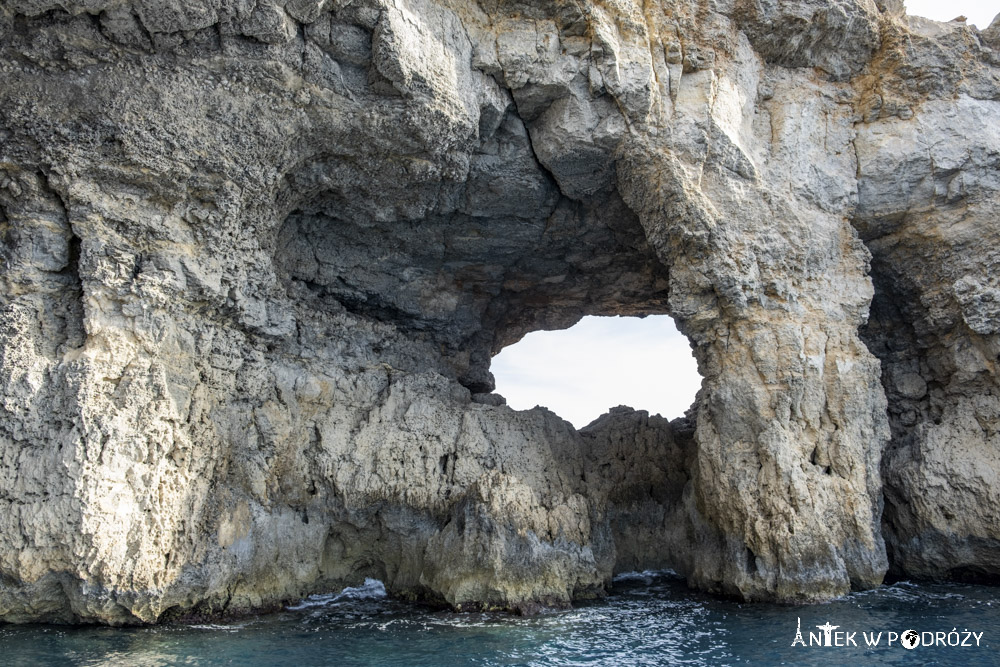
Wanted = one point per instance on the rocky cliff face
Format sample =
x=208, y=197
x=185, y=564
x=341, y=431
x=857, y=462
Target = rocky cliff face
x=927, y=210
x=257, y=257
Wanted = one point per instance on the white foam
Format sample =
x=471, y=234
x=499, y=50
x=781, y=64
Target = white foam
x=218, y=627
x=646, y=576
x=372, y=589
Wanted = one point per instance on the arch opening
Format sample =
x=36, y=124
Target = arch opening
x=580, y=373
x=976, y=12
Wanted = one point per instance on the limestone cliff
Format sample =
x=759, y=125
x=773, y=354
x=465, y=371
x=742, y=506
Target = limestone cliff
x=257, y=256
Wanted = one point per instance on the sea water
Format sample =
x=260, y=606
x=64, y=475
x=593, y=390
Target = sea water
x=648, y=619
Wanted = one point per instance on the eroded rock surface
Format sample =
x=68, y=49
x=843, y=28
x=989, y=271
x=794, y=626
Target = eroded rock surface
x=928, y=207
x=257, y=257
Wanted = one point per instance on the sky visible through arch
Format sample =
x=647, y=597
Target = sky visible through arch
x=580, y=373
x=978, y=12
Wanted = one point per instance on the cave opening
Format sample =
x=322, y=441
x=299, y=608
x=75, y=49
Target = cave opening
x=601, y=362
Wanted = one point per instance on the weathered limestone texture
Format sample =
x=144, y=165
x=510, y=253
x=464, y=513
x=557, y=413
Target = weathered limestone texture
x=929, y=210
x=256, y=257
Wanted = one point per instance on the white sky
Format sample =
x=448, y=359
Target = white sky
x=979, y=12
x=581, y=372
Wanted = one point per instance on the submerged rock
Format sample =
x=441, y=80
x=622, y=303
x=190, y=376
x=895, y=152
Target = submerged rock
x=257, y=257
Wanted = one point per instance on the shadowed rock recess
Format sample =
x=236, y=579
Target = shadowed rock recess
x=256, y=257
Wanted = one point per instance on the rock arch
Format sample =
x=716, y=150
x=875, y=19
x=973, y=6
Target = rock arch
x=294, y=246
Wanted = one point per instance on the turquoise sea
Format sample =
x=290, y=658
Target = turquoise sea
x=649, y=619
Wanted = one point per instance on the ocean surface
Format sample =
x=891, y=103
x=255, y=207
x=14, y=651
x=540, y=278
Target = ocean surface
x=649, y=619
